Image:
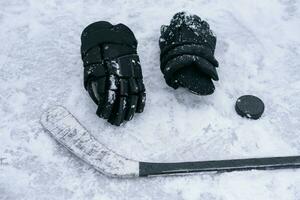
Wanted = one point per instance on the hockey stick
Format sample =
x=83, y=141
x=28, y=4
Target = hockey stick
x=67, y=130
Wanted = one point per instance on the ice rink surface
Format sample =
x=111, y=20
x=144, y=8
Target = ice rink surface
x=258, y=49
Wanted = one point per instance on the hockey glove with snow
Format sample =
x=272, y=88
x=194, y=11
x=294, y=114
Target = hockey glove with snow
x=112, y=71
x=187, y=54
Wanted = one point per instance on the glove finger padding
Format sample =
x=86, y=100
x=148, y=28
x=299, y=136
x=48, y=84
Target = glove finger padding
x=187, y=54
x=141, y=96
x=112, y=71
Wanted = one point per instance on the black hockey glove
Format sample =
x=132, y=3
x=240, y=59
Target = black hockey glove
x=112, y=71
x=187, y=54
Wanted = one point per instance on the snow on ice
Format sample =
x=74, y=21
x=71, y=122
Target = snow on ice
x=258, y=48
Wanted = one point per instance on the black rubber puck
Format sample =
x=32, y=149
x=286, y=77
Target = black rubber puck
x=250, y=106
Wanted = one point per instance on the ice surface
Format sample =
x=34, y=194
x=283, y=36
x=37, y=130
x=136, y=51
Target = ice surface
x=258, y=50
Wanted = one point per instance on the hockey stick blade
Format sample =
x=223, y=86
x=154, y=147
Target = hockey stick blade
x=68, y=131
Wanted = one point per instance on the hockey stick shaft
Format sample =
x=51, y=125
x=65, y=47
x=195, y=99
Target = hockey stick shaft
x=269, y=163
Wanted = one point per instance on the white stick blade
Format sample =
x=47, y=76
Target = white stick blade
x=66, y=129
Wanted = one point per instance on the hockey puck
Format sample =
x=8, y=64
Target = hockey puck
x=250, y=106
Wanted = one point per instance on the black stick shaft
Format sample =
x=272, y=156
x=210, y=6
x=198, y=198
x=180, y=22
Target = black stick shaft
x=149, y=169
